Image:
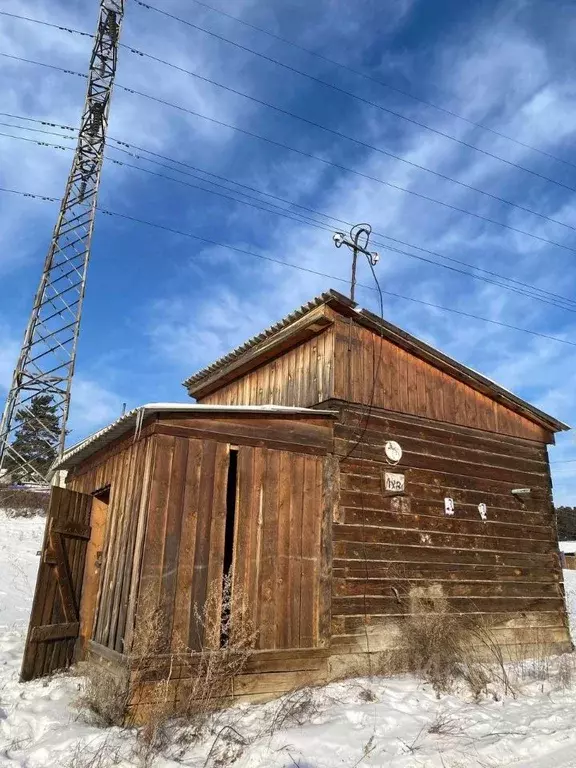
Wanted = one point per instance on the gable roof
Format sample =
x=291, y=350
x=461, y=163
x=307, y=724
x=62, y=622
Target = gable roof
x=291, y=329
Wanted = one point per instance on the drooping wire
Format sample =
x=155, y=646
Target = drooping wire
x=309, y=155
x=252, y=254
x=287, y=201
x=329, y=60
x=372, y=147
x=384, y=84
x=343, y=91
x=293, y=216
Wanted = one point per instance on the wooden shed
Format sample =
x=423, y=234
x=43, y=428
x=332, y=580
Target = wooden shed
x=338, y=469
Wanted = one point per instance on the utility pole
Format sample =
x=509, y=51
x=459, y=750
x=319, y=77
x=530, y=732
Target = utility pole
x=48, y=355
x=357, y=241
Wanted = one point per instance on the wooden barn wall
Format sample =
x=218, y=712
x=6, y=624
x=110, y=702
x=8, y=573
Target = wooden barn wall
x=302, y=376
x=125, y=467
x=278, y=525
x=390, y=551
x=279, y=569
x=406, y=384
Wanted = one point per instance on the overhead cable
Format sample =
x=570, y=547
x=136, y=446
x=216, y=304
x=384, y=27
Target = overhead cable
x=291, y=265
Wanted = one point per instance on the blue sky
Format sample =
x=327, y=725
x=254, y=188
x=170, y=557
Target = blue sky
x=159, y=306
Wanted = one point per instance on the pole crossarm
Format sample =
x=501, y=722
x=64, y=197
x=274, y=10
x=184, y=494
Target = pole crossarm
x=51, y=337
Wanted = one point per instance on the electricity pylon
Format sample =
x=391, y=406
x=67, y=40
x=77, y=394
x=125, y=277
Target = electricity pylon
x=48, y=355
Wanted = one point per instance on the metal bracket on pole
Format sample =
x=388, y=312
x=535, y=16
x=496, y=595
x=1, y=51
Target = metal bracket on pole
x=357, y=241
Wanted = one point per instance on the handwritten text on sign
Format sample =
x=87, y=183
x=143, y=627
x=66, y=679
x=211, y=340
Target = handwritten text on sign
x=394, y=482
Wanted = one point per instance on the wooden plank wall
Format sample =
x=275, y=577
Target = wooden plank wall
x=389, y=550
x=279, y=568
x=125, y=466
x=406, y=384
x=302, y=376
x=277, y=544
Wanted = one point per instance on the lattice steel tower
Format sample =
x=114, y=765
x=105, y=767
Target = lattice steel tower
x=46, y=362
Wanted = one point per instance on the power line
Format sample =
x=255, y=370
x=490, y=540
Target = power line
x=365, y=144
x=291, y=265
x=311, y=222
x=334, y=132
x=298, y=218
x=350, y=94
x=309, y=155
x=335, y=63
x=384, y=84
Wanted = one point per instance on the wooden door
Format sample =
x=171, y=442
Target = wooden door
x=93, y=565
x=55, y=619
x=278, y=549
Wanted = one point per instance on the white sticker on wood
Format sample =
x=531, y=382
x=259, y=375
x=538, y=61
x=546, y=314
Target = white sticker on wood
x=394, y=482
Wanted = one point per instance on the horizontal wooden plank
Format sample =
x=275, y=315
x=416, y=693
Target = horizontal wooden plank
x=255, y=664
x=489, y=471
x=422, y=554
x=73, y=530
x=383, y=519
x=108, y=654
x=240, y=438
x=444, y=572
x=518, y=641
x=300, y=429
x=446, y=479
x=347, y=587
x=430, y=500
x=54, y=632
x=447, y=448
x=404, y=427
x=382, y=606
x=424, y=537
x=348, y=625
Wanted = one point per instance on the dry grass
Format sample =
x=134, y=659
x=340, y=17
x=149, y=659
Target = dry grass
x=444, y=648
x=105, y=694
x=178, y=709
x=23, y=502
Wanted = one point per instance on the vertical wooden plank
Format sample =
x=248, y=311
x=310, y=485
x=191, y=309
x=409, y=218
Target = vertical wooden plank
x=172, y=540
x=183, y=598
x=103, y=591
x=201, y=555
x=282, y=547
x=131, y=470
x=296, y=534
x=215, y=569
x=153, y=554
x=311, y=517
x=256, y=516
x=330, y=500
x=34, y=658
x=115, y=547
x=135, y=570
x=141, y=449
x=268, y=568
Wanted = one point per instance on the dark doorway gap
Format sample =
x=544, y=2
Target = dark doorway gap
x=228, y=560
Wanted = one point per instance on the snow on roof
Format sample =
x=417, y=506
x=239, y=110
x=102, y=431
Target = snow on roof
x=568, y=547
x=134, y=418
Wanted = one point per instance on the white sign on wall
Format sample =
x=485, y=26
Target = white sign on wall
x=394, y=482
x=393, y=451
x=449, y=506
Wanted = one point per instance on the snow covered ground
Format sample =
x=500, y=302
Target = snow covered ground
x=397, y=722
